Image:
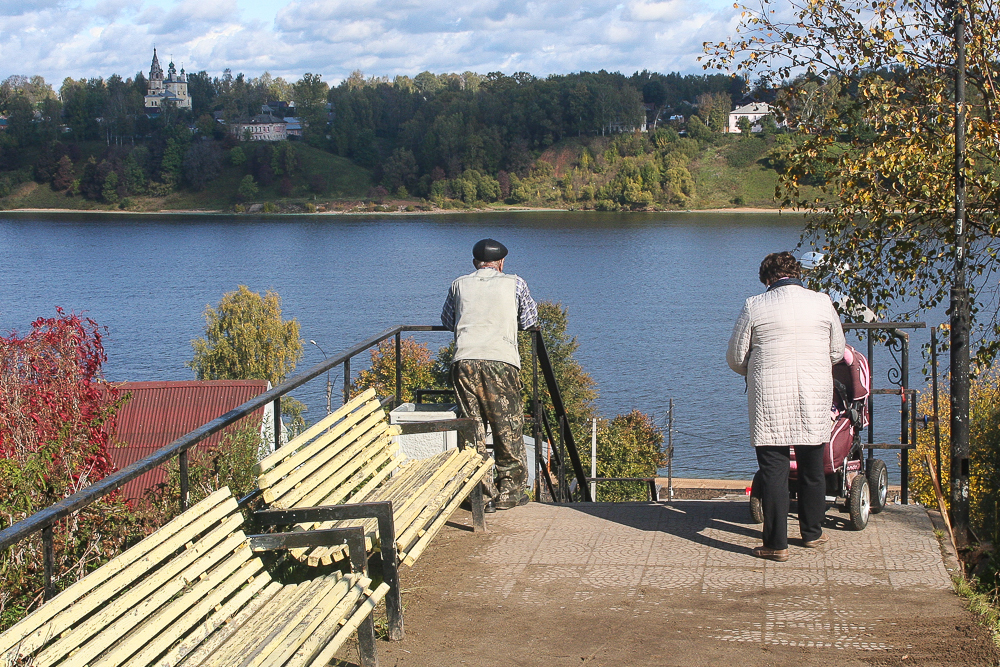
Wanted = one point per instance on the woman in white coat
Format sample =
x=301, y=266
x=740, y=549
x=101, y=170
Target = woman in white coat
x=785, y=342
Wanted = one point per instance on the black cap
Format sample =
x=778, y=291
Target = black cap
x=489, y=250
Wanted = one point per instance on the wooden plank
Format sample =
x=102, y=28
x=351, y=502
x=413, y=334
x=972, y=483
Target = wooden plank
x=242, y=622
x=200, y=554
x=99, y=634
x=338, y=498
x=403, y=490
x=397, y=490
x=253, y=632
x=419, y=496
x=431, y=502
x=424, y=497
x=35, y=629
x=289, y=449
x=326, y=655
x=308, y=624
x=338, y=453
x=329, y=625
x=329, y=461
x=433, y=529
x=327, y=482
x=291, y=617
x=326, y=445
x=181, y=615
x=230, y=614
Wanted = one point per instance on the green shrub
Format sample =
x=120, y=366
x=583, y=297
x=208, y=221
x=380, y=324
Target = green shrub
x=745, y=152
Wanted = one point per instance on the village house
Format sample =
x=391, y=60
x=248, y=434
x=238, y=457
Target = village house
x=262, y=127
x=752, y=112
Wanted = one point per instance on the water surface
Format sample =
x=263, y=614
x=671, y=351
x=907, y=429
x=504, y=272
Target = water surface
x=652, y=297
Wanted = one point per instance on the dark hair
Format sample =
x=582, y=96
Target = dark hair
x=779, y=265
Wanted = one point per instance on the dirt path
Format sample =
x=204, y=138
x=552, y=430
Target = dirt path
x=638, y=584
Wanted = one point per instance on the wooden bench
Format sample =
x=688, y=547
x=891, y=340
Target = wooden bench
x=350, y=457
x=193, y=593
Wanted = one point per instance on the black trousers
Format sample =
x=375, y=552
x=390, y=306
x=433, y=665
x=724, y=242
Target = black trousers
x=773, y=463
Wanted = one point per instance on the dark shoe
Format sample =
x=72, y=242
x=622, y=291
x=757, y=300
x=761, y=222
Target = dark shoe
x=818, y=542
x=490, y=508
x=511, y=499
x=779, y=555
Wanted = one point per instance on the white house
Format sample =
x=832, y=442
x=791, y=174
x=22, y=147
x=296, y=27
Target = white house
x=752, y=112
x=262, y=127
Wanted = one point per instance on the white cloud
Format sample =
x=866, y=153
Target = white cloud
x=85, y=38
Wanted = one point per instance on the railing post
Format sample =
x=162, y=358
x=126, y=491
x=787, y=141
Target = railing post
x=277, y=423
x=871, y=371
x=399, y=370
x=904, y=431
x=934, y=388
x=536, y=429
x=182, y=459
x=347, y=380
x=564, y=487
x=49, y=558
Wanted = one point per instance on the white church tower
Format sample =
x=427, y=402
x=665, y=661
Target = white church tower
x=173, y=88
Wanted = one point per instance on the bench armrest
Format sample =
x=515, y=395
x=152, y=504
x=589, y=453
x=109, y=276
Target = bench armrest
x=382, y=512
x=353, y=537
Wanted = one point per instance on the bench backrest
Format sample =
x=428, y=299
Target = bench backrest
x=183, y=581
x=337, y=460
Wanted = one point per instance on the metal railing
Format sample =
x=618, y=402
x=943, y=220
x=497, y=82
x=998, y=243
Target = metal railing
x=898, y=341
x=44, y=520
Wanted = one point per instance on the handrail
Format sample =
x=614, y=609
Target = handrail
x=43, y=520
x=561, y=414
x=50, y=515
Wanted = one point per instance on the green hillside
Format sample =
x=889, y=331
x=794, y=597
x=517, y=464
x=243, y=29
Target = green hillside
x=320, y=178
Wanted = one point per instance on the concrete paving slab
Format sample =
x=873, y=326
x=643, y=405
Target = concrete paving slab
x=657, y=584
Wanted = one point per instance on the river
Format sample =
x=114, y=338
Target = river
x=651, y=297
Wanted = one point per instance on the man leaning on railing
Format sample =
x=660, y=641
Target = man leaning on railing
x=485, y=309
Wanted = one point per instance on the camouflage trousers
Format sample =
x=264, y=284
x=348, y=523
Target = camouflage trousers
x=490, y=393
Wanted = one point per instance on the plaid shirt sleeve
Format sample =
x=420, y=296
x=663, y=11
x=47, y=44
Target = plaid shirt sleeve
x=448, y=311
x=527, y=311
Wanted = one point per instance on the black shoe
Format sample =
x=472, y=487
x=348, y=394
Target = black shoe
x=511, y=499
x=489, y=508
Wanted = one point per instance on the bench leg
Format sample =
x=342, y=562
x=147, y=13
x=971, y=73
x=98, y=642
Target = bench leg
x=366, y=642
x=394, y=607
x=476, y=503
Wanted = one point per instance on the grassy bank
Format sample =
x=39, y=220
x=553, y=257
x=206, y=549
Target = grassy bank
x=588, y=173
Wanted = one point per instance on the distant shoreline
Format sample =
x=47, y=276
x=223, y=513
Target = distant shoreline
x=436, y=211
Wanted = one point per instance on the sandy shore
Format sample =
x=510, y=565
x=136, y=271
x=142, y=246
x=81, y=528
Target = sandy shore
x=437, y=211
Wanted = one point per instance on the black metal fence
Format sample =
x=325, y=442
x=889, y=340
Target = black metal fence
x=897, y=342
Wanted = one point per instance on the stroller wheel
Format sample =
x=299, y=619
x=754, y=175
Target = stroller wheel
x=878, y=485
x=860, y=502
x=756, y=491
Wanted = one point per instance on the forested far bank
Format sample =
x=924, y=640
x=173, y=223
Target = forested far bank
x=590, y=140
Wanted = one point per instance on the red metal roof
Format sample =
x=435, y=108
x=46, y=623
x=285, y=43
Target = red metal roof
x=160, y=412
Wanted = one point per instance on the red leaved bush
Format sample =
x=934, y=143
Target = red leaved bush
x=52, y=391
x=56, y=416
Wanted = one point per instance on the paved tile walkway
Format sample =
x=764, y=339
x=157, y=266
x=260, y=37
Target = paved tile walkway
x=679, y=579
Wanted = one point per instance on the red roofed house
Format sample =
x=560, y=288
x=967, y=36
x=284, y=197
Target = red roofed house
x=160, y=412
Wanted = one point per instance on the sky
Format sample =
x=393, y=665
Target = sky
x=88, y=38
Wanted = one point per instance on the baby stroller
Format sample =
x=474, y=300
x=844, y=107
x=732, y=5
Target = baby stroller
x=863, y=485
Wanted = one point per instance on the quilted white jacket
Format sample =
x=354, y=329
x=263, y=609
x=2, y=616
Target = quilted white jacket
x=785, y=342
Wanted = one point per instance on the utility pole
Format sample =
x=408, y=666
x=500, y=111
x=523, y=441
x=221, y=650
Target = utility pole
x=960, y=309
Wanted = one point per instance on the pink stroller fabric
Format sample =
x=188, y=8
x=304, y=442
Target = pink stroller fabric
x=852, y=387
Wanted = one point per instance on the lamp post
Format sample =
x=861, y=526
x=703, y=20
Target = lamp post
x=329, y=387
x=960, y=308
